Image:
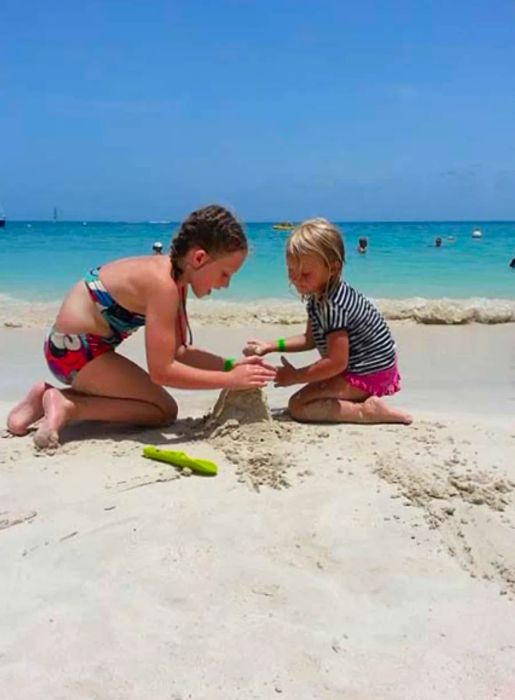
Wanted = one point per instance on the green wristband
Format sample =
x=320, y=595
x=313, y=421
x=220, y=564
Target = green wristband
x=229, y=364
x=281, y=345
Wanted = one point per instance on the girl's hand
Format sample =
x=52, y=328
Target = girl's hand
x=286, y=375
x=250, y=374
x=255, y=360
x=255, y=347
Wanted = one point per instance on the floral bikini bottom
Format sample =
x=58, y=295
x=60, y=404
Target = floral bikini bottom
x=67, y=353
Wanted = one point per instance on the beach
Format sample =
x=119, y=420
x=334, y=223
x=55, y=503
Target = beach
x=323, y=561
x=181, y=177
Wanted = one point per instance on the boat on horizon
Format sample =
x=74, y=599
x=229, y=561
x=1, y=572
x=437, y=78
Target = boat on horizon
x=283, y=226
x=2, y=218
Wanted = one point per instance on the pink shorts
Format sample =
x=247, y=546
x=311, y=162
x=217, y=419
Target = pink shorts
x=383, y=383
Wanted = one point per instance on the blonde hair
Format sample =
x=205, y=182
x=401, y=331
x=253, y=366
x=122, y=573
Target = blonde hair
x=322, y=238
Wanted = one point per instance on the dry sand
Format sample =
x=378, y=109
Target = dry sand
x=348, y=562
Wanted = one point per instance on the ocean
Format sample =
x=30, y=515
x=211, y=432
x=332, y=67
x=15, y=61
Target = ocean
x=40, y=260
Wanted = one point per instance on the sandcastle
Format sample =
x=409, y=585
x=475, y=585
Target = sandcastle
x=242, y=427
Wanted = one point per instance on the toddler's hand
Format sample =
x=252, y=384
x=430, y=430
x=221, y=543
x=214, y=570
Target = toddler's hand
x=255, y=347
x=286, y=375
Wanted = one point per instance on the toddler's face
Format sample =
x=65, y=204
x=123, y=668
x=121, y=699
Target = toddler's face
x=214, y=273
x=309, y=274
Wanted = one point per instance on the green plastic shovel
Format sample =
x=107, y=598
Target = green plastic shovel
x=181, y=459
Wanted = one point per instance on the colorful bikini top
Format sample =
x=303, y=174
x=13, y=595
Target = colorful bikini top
x=122, y=321
x=119, y=319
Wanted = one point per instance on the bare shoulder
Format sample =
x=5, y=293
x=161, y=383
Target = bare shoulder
x=135, y=281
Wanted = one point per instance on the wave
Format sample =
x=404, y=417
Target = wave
x=16, y=313
x=449, y=311
x=417, y=309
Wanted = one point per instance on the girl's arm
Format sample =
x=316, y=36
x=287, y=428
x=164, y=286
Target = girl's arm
x=296, y=343
x=161, y=348
x=202, y=359
x=334, y=363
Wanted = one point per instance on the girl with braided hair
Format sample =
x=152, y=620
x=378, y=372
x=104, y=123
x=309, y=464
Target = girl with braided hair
x=115, y=300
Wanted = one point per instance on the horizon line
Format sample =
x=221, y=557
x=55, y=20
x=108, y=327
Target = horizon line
x=264, y=221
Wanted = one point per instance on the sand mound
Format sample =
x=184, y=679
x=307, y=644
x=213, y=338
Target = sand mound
x=241, y=426
x=249, y=406
x=471, y=508
x=439, y=484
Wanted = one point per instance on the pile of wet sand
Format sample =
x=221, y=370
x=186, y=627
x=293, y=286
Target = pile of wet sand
x=242, y=427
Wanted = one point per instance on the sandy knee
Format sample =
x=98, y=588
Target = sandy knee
x=169, y=411
x=296, y=407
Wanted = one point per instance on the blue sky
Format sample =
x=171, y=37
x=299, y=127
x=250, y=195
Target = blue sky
x=371, y=110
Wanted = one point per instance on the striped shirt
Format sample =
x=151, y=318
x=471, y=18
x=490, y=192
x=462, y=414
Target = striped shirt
x=371, y=346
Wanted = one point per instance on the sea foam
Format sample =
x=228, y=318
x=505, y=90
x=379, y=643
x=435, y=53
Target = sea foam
x=16, y=313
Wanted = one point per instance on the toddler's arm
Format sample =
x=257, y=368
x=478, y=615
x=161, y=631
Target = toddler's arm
x=296, y=343
x=333, y=363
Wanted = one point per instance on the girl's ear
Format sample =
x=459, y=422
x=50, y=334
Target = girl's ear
x=336, y=268
x=199, y=257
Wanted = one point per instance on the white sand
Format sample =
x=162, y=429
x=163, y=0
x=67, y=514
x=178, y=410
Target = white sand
x=386, y=570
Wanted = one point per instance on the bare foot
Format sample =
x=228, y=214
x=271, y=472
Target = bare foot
x=58, y=411
x=28, y=411
x=377, y=411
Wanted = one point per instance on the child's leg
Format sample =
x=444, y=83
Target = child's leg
x=109, y=388
x=336, y=401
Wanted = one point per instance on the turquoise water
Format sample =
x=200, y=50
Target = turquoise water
x=41, y=260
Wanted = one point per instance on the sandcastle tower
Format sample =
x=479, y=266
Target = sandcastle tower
x=241, y=426
x=246, y=406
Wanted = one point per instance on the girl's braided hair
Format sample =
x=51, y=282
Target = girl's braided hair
x=212, y=228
